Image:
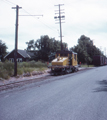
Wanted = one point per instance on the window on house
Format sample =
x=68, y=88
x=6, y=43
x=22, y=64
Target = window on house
x=19, y=60
x=11, y=59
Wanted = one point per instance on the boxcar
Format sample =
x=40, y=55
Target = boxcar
x=98, y=60
x=105, y=61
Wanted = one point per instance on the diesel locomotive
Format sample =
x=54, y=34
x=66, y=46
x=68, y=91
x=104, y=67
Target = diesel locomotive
x=65, y=62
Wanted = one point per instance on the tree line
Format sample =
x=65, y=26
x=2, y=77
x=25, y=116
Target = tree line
x=46, y=47
x=86, y=50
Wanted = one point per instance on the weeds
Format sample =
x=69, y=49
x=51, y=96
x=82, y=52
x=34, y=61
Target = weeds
x=7, y=68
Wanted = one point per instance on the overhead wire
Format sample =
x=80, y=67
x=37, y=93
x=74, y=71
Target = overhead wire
x=39, y=20
x=54, y=29
x=10, y=2
x=31, y=15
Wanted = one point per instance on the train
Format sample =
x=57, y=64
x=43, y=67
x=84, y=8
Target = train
x=65, y=62
x=99, y=60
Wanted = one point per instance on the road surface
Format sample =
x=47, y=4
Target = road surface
x=76, y=96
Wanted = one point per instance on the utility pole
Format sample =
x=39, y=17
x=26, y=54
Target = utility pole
x=16, y=39
x=16, y=36
x=60, y=17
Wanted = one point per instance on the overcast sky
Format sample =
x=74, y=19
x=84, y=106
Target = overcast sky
x=82, y=17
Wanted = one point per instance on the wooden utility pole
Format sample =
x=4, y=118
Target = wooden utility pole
x=16, y=39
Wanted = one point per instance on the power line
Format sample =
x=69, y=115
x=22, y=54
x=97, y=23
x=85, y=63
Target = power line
x=29, y=14
x=37, y=19
x=40, y=21
x=10, y=2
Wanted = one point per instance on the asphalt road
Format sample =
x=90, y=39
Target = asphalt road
x=77, y=96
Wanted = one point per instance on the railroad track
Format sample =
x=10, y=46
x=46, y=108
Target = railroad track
x=21, y=83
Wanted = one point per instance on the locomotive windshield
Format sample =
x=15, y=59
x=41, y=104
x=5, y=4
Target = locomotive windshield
x=64, y=54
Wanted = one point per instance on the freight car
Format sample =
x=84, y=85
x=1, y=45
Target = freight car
x=99, y=60
x=105, y=61
x=64, y=62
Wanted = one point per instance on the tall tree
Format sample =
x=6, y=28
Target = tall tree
x=3, y=49
x=85, y=49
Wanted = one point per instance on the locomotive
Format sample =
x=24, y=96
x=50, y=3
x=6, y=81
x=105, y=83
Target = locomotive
x=65, y=62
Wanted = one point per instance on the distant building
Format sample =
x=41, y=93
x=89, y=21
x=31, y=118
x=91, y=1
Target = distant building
x=22, y=55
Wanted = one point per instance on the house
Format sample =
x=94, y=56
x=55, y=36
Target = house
x=22, y=55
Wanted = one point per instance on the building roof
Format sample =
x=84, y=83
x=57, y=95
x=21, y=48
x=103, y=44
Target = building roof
x=32, y=54
x=21, y=52
x=24, y=53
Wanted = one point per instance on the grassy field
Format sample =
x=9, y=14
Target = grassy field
x=7, y=68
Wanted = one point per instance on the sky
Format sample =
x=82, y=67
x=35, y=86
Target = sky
x=82, y=17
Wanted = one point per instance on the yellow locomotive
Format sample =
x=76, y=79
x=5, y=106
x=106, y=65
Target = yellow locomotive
x=64, y=62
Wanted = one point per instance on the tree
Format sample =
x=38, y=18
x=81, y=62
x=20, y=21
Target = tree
x=45, y=46
x=30, y=45
x=86, y=50
x=3, y=48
